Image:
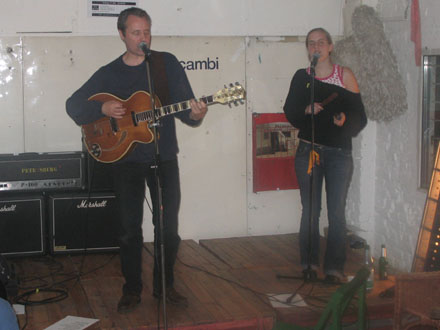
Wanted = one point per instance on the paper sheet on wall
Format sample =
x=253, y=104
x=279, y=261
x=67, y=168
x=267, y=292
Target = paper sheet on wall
x=108, y=8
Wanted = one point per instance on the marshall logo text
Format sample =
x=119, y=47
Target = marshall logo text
x=84, y=204
x=10, y=208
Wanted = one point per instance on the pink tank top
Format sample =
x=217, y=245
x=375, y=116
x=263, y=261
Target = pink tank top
x=335, y=78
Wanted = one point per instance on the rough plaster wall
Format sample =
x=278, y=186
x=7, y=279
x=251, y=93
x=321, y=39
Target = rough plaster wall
x=354, y=194
x=398, y=201
x=368, y=53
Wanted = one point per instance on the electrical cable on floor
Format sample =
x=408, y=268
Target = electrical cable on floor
x=58, y=295
x=48, y=262
x=260, y=295
x=26, y=318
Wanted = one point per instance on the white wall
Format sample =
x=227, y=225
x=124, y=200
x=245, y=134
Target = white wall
x=11, y=95
x=177, y=18
x=398, y=201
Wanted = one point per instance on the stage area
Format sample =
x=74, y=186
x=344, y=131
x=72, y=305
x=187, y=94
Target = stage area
x=231, y=283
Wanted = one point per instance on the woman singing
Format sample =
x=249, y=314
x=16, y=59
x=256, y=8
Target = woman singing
x=338, y=116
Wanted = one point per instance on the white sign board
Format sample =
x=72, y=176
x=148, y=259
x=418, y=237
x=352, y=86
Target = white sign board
x=108, y=8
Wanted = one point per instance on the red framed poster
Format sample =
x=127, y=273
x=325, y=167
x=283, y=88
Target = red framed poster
x=274, y=146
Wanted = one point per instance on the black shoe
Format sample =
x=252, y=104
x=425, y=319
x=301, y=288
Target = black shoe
x=310, y=275
x=128, y=302
x=332, y=280
x=173, y=297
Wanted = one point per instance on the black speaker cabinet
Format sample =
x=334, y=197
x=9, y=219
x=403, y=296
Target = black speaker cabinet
x=22, y=225
x=83, y=223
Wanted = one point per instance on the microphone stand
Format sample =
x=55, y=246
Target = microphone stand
x=156, y=167
x=308, y=271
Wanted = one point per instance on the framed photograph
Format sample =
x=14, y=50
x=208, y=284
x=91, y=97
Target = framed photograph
x=274, y=146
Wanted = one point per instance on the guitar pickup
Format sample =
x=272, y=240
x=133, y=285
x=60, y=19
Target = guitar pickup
x=133, y=117
x=114, y=125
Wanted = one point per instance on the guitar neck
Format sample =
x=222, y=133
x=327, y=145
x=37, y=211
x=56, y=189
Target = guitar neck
x=170, y=109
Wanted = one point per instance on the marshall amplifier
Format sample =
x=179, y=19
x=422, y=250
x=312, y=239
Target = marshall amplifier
x=42, y=172
x=22, y=225
x=83, y=223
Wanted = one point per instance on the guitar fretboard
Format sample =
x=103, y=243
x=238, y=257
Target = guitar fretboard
x=169, y=109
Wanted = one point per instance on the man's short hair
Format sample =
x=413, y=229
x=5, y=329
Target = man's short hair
x=123, y=16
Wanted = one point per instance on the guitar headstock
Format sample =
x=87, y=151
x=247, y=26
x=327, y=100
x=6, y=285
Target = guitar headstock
x=232, y=94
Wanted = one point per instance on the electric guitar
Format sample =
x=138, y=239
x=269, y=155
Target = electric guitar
x=109, y=139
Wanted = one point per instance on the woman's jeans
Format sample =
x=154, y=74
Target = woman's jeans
x=336, y=168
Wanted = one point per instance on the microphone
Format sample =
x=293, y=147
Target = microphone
x=144, y=47
x=315, y=58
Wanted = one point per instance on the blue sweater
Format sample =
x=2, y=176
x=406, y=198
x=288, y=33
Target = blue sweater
x=8, y=319
x=123, y=80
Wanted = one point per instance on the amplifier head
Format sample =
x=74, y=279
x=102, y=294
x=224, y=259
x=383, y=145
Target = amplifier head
x=42, y=172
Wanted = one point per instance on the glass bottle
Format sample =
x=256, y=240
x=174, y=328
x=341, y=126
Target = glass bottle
x=383, y=274
x=370, y=265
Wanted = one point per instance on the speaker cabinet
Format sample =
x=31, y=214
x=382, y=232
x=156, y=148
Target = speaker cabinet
x=83, y=223
x=22, y=225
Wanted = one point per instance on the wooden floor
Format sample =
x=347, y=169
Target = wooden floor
x=227, y=282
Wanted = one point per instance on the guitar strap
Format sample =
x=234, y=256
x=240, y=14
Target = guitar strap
x=160, y=81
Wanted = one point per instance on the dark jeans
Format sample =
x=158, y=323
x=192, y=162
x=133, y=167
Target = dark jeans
x=129, y=182
x=336, y=168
